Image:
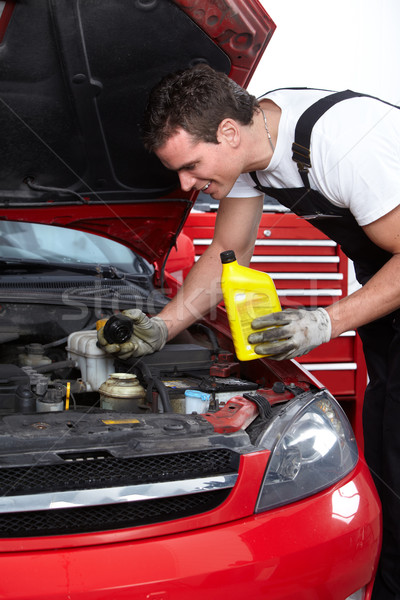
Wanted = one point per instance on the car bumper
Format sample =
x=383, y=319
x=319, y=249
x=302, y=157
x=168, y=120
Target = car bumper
x=325, y=547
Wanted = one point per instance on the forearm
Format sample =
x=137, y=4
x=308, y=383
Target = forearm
x=377, y=298
x=199, y=294
x=235, y=229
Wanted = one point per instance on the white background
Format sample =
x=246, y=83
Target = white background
x=332, y=44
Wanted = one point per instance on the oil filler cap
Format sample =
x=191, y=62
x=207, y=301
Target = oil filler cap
x=118, y=329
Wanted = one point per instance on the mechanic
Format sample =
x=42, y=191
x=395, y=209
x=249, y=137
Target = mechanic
x=333, y=158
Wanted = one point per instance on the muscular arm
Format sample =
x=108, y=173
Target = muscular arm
x=235, y=229
x=381, y=295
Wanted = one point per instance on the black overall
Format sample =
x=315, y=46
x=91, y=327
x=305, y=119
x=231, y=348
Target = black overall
x=381, y=341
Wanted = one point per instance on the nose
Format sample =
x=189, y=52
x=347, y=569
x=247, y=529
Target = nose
x=187, y=181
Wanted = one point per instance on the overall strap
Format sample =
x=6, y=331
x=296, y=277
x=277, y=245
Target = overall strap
x=302, y=136
x=258, y=185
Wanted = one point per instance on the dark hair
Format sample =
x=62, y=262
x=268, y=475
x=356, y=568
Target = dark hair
x=196, y=100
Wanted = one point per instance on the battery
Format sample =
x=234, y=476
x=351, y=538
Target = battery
x=222, y=389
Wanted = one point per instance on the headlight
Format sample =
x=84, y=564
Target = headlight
x=312, y=447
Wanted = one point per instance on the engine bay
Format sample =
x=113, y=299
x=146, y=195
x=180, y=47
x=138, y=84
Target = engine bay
x=57, y=284
x=72, y=373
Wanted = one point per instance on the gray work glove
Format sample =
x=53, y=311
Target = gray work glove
x=149, y=335
x=293, y=332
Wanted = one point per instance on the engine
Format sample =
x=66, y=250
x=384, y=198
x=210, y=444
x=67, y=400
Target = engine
x=181, y=378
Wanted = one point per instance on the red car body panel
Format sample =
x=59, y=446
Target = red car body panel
x=242, y=31
x=148, y=232
x=323, y=547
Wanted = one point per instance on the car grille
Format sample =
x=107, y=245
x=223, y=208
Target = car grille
x=94, y=470
x=102, y=471
x=109, y=517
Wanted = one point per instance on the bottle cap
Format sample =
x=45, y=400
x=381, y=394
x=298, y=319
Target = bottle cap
x=118, y=329
x=227, y=257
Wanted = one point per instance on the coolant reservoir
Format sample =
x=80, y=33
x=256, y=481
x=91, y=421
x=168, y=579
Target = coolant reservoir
x=122, y=392
x=94, y=363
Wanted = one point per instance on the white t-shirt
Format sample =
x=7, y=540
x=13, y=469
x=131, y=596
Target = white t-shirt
x=355, y=154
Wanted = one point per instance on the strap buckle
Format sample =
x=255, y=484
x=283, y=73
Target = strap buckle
x=301, y=156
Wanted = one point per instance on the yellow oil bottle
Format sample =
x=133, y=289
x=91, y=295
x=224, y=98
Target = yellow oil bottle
x=247, y=294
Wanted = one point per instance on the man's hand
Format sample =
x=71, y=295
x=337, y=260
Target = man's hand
x=148, y=336
x=292, y=332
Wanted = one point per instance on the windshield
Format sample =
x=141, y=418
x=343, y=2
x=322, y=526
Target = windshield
x=36, y=242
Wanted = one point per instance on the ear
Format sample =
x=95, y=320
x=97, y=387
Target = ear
x=229, y=132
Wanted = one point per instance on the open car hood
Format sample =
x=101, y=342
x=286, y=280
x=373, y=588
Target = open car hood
x=74, y=81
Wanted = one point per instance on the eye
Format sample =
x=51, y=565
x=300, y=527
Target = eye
x=190, y=166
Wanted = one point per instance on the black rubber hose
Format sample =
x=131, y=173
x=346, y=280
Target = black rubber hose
x=210, y=334
x=152, y=381
x=62, y=364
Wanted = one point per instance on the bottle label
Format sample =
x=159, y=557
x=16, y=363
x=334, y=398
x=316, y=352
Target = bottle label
x=249, y=306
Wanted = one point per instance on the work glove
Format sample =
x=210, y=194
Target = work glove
x=291, y=332
x=149, y=335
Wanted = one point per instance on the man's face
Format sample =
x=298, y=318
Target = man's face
x=212, y=168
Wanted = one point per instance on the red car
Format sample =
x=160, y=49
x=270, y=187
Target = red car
x=185, y=474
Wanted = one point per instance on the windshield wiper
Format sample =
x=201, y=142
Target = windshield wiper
x=28, y=265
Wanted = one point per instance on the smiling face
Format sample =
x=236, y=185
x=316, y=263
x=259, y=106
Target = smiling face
x=212, y=168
